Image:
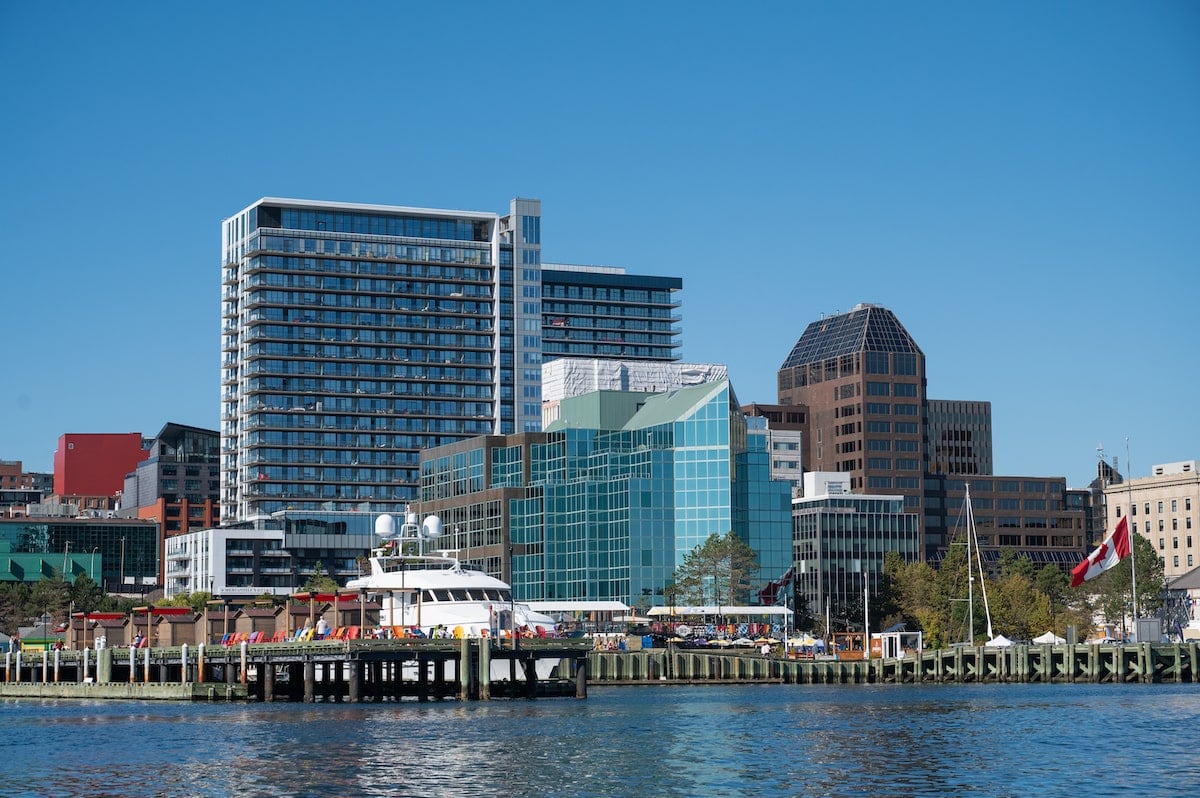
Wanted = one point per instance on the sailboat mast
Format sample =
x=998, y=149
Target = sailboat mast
x=987, y=612
x=970, y=575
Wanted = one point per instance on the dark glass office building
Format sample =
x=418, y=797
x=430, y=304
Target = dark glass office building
x=602, y=312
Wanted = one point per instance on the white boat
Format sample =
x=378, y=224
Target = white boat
x=432, y=595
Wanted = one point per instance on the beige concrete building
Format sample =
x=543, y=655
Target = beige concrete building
x=1164, y=508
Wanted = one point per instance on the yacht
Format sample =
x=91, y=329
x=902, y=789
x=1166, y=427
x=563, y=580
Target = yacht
x=432, y=594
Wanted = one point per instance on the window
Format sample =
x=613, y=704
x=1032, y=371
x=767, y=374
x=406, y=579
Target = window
x=1147, y=508
x=904, y=389
x=1174, y=524
x=877, y=362
x=1175, y=560
x=1160, y=525
x=1174, y=505
x=877, y=389
x=1160, y=507
x=905, y=364
x=1174, y=543
x=1187, y=503
x=1162, y=544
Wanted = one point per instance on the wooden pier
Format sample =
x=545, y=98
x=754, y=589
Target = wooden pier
x=424, y=670
x=1147, y=663
x=330, y=671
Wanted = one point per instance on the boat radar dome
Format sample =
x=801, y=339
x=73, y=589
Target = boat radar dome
x=432, y=528
x=385, y=526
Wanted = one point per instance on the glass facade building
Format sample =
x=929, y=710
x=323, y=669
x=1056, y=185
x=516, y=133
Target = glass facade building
x=275, y=554
x=841, y=541
x=602, y=312
x=353, y=336
x=126, y=552
x=606, y=503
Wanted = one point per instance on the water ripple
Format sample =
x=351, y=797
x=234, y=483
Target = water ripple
x=666, y=741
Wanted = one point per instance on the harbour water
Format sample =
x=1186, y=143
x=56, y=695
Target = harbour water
x=768, y=740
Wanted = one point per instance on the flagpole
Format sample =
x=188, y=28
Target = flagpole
x=1132, y=552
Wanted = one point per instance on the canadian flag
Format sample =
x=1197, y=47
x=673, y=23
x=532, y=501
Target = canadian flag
x=1114, y=549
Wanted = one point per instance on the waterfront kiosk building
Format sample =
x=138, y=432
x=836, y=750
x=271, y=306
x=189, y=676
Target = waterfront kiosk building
x=606, y=503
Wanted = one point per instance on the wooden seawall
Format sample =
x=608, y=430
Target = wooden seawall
x=332, y=671
x=1142, y=662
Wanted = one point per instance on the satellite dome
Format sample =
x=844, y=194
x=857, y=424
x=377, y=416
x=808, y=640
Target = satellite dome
x=432, y=528
x=385, y=526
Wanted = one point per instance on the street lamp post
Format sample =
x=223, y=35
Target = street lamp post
x=121, y=584
x=92, y=569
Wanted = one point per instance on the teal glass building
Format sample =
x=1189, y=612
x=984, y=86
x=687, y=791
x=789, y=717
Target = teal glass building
x=606, y=503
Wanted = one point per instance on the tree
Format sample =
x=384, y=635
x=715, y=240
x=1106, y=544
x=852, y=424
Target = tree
x=195, y=600
x=1014, y=562
x=1019, y=610
x=50, y=595
x=319, y=581
x=86, y=594
x=718, y=571
x=886, y=603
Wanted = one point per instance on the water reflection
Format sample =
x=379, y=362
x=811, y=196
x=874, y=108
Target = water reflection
x=776, y=740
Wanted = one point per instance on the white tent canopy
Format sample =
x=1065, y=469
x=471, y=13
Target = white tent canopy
x=999, y=641
x=1049, y=639
x=725, y=612
x=578, y=606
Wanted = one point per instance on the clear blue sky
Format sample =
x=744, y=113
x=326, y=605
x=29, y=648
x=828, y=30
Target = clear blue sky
x=1019, y=182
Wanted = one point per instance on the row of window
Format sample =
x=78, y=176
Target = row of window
x=1133, y=509
x=1162, y=526
x=368, y=223
x=312, y=385
x=369, y=249
x=902, y=463
x=333, y=368
x=899, y=409
x=451, y=432
x=891, y=389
